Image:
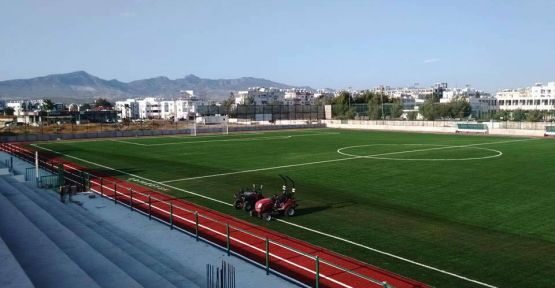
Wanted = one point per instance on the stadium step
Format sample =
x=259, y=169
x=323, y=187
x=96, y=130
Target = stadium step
x=100, y=269
x=107, y=236
x=11, y=273
x=43, y=261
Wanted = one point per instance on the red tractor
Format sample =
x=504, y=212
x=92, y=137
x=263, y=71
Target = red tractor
x=283, y=204
x=246, y=198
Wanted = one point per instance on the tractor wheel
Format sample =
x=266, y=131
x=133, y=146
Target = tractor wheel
x=290, y=211
x=238, y=205
x=267, y=217
x=247, y=206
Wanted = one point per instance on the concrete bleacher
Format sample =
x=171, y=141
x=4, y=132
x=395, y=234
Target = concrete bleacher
x=94, y=243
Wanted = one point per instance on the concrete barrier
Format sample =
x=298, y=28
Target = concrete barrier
x=433, y=127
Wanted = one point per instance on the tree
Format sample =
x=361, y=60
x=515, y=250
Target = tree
x=374, y=111
x=396, y=109
x=501, y=115
x=102, y=102
x=8, y=111
x=427, y=110
x=341, y=107
x=534, y=116
x=47, y=105
x=412, y=115
x=85, y=107
x=519, y=115
x=228, y=103
x=459, y=108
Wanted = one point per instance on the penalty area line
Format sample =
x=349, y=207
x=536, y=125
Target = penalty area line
x=285, y=222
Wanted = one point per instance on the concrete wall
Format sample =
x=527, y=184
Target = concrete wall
x=495, y=128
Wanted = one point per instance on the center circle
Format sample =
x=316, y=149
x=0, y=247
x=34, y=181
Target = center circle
x=416, y=148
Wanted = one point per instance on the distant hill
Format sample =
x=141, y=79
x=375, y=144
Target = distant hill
x=80, y=86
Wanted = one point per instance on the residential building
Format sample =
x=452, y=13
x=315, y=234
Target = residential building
x=156, y=108
x=299, y=97
x=537, y=97
x=260, y=96
x=127, y=109
x=480, y=102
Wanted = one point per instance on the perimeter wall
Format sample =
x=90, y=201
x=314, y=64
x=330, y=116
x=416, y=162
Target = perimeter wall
x=528, y=129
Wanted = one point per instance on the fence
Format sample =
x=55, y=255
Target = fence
x=161, y=132
x=272, y=255
x=266, y=112
x=434, y=112
x=220, y=277
x=444, y=123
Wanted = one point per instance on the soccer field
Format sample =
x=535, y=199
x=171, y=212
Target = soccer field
x=448, y=210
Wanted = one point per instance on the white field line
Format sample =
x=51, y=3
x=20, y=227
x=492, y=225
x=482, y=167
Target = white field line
x=261, y=169
x=388, y=254
x=131, y=174
x=303, y=227
x=340, y=159
x=185, y=136
x=128, y=142
x=278, y=137
x=235, y=239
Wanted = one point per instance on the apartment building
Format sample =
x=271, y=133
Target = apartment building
x=537, y=97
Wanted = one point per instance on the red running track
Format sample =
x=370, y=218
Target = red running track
x=287, y=255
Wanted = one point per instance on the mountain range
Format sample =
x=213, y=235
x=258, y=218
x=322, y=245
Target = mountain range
x=81, y=86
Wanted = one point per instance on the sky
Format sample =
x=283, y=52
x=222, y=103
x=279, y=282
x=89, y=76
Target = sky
x=323, y=43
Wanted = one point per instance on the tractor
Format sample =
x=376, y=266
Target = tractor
x=246, y=198
x=283, y=204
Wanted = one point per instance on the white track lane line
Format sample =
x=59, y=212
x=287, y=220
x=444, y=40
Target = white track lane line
x=306, y=228
x=340, y=159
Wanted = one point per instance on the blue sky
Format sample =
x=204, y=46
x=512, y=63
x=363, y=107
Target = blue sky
x=336, y=44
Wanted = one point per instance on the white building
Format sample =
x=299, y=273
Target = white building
x=537, y=97
x=299, y=97
x=127, y=109
x=157, y=108
x=411, y=97
x=24, y=105
x=260, y=96
x=480, y=101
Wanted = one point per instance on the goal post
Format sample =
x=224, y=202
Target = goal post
x=213, y=124
x=194, y=127
x=225, y=128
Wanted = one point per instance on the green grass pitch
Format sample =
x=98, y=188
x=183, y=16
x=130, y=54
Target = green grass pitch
x=479, y=207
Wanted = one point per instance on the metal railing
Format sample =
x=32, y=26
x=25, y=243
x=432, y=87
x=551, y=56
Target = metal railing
x=269, y=254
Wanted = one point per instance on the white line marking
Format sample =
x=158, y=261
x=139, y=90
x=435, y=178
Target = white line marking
x=303, y=227
x=388, y=254
x=337, y=160
x=260, y=169
x=497, y=153
x=185, y=136
x=127, y=142
x=130, y=174
x=279, y=137
x=240, y=139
